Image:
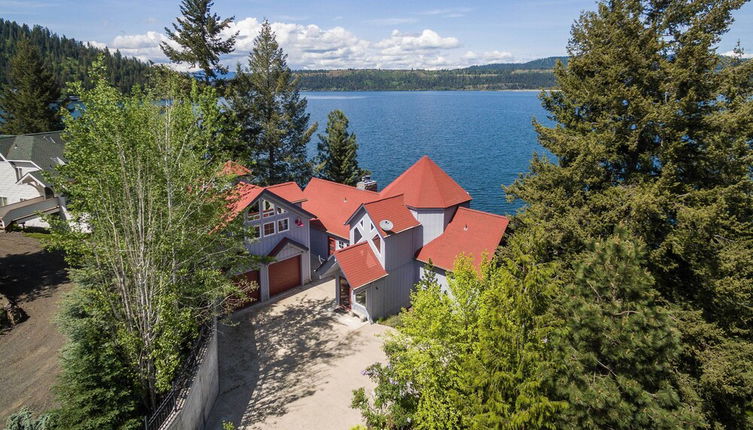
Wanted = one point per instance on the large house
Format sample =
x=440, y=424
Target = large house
x=25, y=192
x=375, y=244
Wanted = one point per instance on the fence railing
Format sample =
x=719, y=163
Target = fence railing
x=182, y=381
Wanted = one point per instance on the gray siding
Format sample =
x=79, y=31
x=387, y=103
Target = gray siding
x=400, y=248
x=319, y=243
x=441, y=277
x=433, y=222
x=387, y=296
x=302, y=235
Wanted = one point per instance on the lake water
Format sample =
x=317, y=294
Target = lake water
x=482, y=139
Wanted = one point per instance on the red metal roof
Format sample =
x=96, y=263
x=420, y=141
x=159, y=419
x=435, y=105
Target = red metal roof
x=359, y=264
x=289, y=191
x=471, y=232
x=426, y=185
x=393, y=209
x=235, y=169
x=334, y=203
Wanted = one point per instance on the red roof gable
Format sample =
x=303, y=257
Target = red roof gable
x=334, y=203
x=393, y=209
x=471, y=232
x=426, y=185
x=359, y=264
x=289, y=191
x=235, y=169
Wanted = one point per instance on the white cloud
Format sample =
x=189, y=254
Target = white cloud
x=452, y=12
x=313, y=47
x=734, y=54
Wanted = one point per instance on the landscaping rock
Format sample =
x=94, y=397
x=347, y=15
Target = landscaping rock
x=10, y=313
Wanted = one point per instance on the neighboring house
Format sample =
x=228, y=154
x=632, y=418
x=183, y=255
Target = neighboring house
x=24, y=191
x=375, y=244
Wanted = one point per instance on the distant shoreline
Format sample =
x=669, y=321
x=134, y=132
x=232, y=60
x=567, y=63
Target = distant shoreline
x=427, y=90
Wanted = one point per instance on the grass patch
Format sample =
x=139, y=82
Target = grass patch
x=37, y=235
x=394, y=321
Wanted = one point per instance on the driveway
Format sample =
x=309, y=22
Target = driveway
x=294, y=363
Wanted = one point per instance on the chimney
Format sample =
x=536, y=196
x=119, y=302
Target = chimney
x=367, y=183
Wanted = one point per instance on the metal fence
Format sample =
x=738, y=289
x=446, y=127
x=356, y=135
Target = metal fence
x=182, y=381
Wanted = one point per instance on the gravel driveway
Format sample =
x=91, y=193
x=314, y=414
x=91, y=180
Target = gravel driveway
x=294, y=363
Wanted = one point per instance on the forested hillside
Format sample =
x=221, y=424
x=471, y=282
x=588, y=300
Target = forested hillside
x=68, y=59
x=536, y=74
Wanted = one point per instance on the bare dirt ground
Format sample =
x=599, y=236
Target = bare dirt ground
x=294, y=363
x=36, y=280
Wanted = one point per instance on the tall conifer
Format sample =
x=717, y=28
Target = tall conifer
x=272, y=115
x=337, y=158
x=28, y=102
x=199, y=34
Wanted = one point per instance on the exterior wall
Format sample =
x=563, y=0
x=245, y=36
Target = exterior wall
x=433, y=222
x=388, y=295
x=440, y=275
x=8, y=188
x=319, y=243
x=362, y=222
x=400, y=248
x=202, y=393
x=265, y=244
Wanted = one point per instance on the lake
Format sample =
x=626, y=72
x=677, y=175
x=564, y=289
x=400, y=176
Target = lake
x=483, y=139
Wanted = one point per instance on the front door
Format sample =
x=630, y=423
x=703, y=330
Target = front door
x=344, y=293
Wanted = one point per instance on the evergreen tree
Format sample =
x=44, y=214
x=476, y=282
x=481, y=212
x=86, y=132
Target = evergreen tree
x=620, y=346
x=337, y=158
x=654, y=132
x=198, y=33
x=28, y=103
x=274, y=124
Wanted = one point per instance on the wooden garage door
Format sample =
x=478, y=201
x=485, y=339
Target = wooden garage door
x=284, y=275
x=235, y=303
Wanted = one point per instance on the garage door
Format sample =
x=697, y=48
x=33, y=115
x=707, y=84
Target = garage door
x=255, y=295
x=284, y=275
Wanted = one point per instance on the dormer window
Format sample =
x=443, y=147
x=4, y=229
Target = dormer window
x=268, y=208
x=377, y=243
x=357, y=235
x=253, y=211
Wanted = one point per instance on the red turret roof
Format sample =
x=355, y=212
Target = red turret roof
x=359, y=264
x=471, y=232
x=426, y=185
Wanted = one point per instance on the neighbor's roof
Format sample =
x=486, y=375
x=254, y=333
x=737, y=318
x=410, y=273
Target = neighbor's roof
x=471, y=232
x=393, y=209
x=43, y=149
x=334, y=203
x=235, y=169
x=426, y=185
x=359, y=264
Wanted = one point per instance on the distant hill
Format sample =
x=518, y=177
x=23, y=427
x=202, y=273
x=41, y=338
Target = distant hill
x=540, y=64
x=68, y=59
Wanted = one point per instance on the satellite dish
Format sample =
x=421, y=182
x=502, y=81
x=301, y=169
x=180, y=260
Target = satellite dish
x=386, y=225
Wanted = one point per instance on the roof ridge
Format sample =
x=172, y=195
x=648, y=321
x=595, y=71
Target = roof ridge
x=342, y=185
x=481, y=212
x=385, y=198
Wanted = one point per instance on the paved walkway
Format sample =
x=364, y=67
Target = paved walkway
x=294, y=363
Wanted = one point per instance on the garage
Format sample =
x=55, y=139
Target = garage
x=284, y=275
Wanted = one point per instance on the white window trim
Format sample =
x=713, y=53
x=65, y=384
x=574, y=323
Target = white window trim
x=287, y=225
x=266, y=213
x=264, y=229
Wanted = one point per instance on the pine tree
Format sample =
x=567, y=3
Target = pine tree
x=654, y=132
x=274, y=124
x=337, y=152
x=28, y=103
x=198, y=33
x=620, y=346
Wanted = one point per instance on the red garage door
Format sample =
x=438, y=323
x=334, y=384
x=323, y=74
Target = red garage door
x=284, y=275
x=255, y=295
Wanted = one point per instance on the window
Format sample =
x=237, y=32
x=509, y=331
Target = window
x=253, y=232
x=342, y=244
x=269, y=229
x=361, y=223
x=268, y=208
x=282, y=225
x=3, y=201
x=361, y=297
x=19, y=173
x=280, y=210
x=253, y=211
x=372, y=226
x=377, y=243
x=357, y=236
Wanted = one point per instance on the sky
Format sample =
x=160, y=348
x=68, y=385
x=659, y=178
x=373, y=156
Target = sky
x=335, y=34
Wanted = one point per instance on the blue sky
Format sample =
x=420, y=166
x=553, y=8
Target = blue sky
x=341, y=34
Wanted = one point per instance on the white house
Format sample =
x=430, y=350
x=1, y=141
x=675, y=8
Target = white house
x=375, y=244
x=24, y=191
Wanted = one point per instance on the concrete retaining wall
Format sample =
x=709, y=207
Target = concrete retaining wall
x=198, y=402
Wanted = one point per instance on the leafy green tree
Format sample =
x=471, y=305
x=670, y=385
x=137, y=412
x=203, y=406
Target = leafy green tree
x=28, y=103
x=337, y=158
x=199, y=34
x=620, y=345
x=271, y=114
x=475, y=356
x=654, y=131
x=146, y=203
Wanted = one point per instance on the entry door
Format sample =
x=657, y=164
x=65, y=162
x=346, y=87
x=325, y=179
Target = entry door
x=344, y=293
x=332, y=245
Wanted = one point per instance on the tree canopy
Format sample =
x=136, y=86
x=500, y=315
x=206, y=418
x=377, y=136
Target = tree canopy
x=337, y=152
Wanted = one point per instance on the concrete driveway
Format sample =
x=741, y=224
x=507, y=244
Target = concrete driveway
x=294, y=363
